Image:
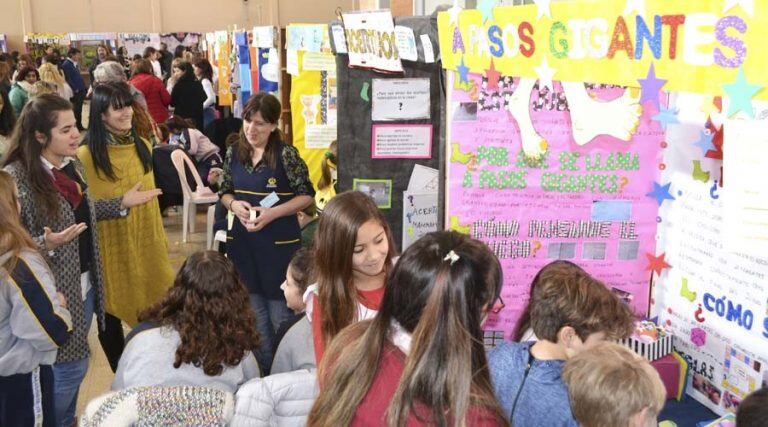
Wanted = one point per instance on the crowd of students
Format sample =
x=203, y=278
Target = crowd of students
x=308, y=319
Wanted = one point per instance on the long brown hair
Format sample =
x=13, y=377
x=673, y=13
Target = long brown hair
x=208, y=306
x=548, y=273
x=40, y=114
x=334, y=246
x=329, y=161
x=269, y=107
x=441, y=303
x=13, y=236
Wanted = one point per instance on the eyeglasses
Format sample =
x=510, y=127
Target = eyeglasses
x=498, y=305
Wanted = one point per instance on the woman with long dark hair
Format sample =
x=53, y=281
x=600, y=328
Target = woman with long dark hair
x=7, y=121
x=134, y=249
x=201, y=333
x=204, y=73
x=187, y=95
x=265, y=184
x=421, y=360
x=60, y=214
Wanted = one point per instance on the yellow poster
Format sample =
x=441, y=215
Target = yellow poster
x=697, y=46
x=223, y=51
x=313, y=93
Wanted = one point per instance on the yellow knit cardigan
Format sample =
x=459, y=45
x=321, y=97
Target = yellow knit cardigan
x=134, y=249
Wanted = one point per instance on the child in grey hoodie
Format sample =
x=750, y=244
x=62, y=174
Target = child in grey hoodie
x=34, y=322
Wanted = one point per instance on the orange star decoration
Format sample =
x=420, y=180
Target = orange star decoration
x=493, y=77
x=656, y=263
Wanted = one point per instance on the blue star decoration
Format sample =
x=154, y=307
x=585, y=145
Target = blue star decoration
x=740, y=94
x=660, y=192
x=651, y=87
x=705, y=142
x=463, y=71
x=486, y=8
x=665, y=117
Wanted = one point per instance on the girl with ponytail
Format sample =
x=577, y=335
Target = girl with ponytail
x=421, y=360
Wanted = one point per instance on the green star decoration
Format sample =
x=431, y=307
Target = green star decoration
x=740, y=94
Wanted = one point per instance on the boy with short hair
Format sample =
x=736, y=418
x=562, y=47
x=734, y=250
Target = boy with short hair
x=753, y=411
x=610, y=386
x=570, y=312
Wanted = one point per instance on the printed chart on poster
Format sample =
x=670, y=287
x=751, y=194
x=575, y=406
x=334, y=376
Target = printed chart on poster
x=538, y=176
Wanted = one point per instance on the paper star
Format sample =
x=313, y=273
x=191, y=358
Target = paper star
x=747, y=5
x=545, y=73
x=463, y=70
x=635, y=6
x=740, y=95
x=656, y=263
x=544, y=8
x=705, y=142
x=486, y=8
x=665, y=117
x=651, y=87
x=493, y=77
x=453, y=13
x=660, y=192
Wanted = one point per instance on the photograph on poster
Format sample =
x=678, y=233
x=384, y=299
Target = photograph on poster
x=380, y=190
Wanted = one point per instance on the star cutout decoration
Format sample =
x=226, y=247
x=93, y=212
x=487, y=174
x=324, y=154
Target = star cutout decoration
x=666, y=117
x=493, y=77
x=486, y=8
x=545, y=73
x=637, y=6
x=453, y=13
x=661, y=192
x=657, y=263
x=705, y=142
x=740, y=94
x=463, y=71
x=543, y=8
x=651, y=87
x=747, y=5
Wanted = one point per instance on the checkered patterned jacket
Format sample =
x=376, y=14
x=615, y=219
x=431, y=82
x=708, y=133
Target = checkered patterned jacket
x=65, y=260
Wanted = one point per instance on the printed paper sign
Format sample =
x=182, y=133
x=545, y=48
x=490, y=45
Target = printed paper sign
x=429, y=51
x=371, y=41
x=419, y=216
x=424, y=179
x=319, y=61
x=401, y=142
x=339, y=41
x=319, y=136
x=263, y=37
x=406, y=43
x=400, y=99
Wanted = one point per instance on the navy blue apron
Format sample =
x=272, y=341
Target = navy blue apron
x=262, y=257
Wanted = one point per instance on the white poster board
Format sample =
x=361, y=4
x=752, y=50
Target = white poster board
x=419, y=215
x=371, y=41
x=400, y=99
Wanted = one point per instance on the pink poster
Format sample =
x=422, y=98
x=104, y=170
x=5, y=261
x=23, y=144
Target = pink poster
x=568, y=172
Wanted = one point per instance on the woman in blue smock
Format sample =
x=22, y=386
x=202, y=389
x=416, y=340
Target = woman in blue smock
x=265, y=184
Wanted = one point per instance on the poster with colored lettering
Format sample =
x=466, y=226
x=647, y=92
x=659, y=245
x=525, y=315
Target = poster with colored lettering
x=712, y=296
x=541, y=173
x=135, y=43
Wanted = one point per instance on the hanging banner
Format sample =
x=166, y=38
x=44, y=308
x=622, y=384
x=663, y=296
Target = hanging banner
x=3, y=43
x=696, y=45
x=313, y=113
x=371, y=41
x=307, y=37
x=222, y=48
x=544, y=173
x=264, y=37
x=136, y=42
x=172, y=40
x=712, y=293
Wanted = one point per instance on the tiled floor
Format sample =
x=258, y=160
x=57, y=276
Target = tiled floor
x=99, y=377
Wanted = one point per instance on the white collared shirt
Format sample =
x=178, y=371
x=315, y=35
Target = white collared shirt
x=48, y=165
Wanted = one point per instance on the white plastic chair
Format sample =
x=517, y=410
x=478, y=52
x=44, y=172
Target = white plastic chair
x=201, y=196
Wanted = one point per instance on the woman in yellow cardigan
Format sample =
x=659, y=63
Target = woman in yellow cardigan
x=134, y=249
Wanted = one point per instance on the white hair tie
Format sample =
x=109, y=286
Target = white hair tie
x=452, y=256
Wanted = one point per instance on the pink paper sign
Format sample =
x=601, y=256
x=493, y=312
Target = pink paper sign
x=401, y=141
